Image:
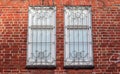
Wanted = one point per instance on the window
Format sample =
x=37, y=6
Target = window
x=41, y=37
x=78, y=37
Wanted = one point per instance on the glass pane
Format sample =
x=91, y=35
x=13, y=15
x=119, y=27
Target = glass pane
x=84, y=35
x=71, y=36
x=41, y=35
x=78, y=43
x=40, y=44
x=78, y=35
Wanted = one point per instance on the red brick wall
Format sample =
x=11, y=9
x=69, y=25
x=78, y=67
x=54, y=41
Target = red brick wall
x=106, y=36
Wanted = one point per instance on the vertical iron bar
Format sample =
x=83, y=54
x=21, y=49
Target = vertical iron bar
x=32, y=37
x=41, y=39
x=69, y=35
x=36, y=43
x=74, y=34
x=82, y=35
x=87, y=20
x=78, y=34
x=75, y=43
x=89, y=32
x=32, y=44
x=50, y=41
x=46, y=45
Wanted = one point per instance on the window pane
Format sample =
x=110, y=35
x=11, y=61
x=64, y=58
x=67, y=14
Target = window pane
x=76, y=35
x=41, y=34
x=78, y=43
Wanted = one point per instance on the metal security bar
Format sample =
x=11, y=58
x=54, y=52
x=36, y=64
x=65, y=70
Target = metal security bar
x=41, y=37
x=78, y=38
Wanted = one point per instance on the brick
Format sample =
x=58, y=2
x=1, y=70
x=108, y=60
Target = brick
x=105, y=29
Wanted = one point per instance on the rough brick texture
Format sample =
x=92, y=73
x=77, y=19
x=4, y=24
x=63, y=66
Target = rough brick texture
x=105, y=29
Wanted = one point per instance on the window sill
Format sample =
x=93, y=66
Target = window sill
x=40, y=66
x=79, y=66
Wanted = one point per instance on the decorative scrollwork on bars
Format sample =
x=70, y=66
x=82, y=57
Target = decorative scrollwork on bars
x=78, y=47
x=41, y=48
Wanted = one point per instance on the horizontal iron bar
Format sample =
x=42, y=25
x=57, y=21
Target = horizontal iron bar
x=42, y=27
x=78, y=27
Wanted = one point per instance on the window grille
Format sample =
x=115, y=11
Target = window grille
x=41, y=37
x=78, y=37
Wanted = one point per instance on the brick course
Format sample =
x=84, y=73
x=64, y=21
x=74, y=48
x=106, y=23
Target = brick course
x=105, y=31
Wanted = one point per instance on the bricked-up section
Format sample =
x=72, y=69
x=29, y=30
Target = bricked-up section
x=105, y=28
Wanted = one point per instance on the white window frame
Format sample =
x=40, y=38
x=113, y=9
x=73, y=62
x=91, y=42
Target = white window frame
x=68, y=64
x=32, y=12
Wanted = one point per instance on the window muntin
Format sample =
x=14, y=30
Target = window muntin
x=78, y=36
x=41, y=36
